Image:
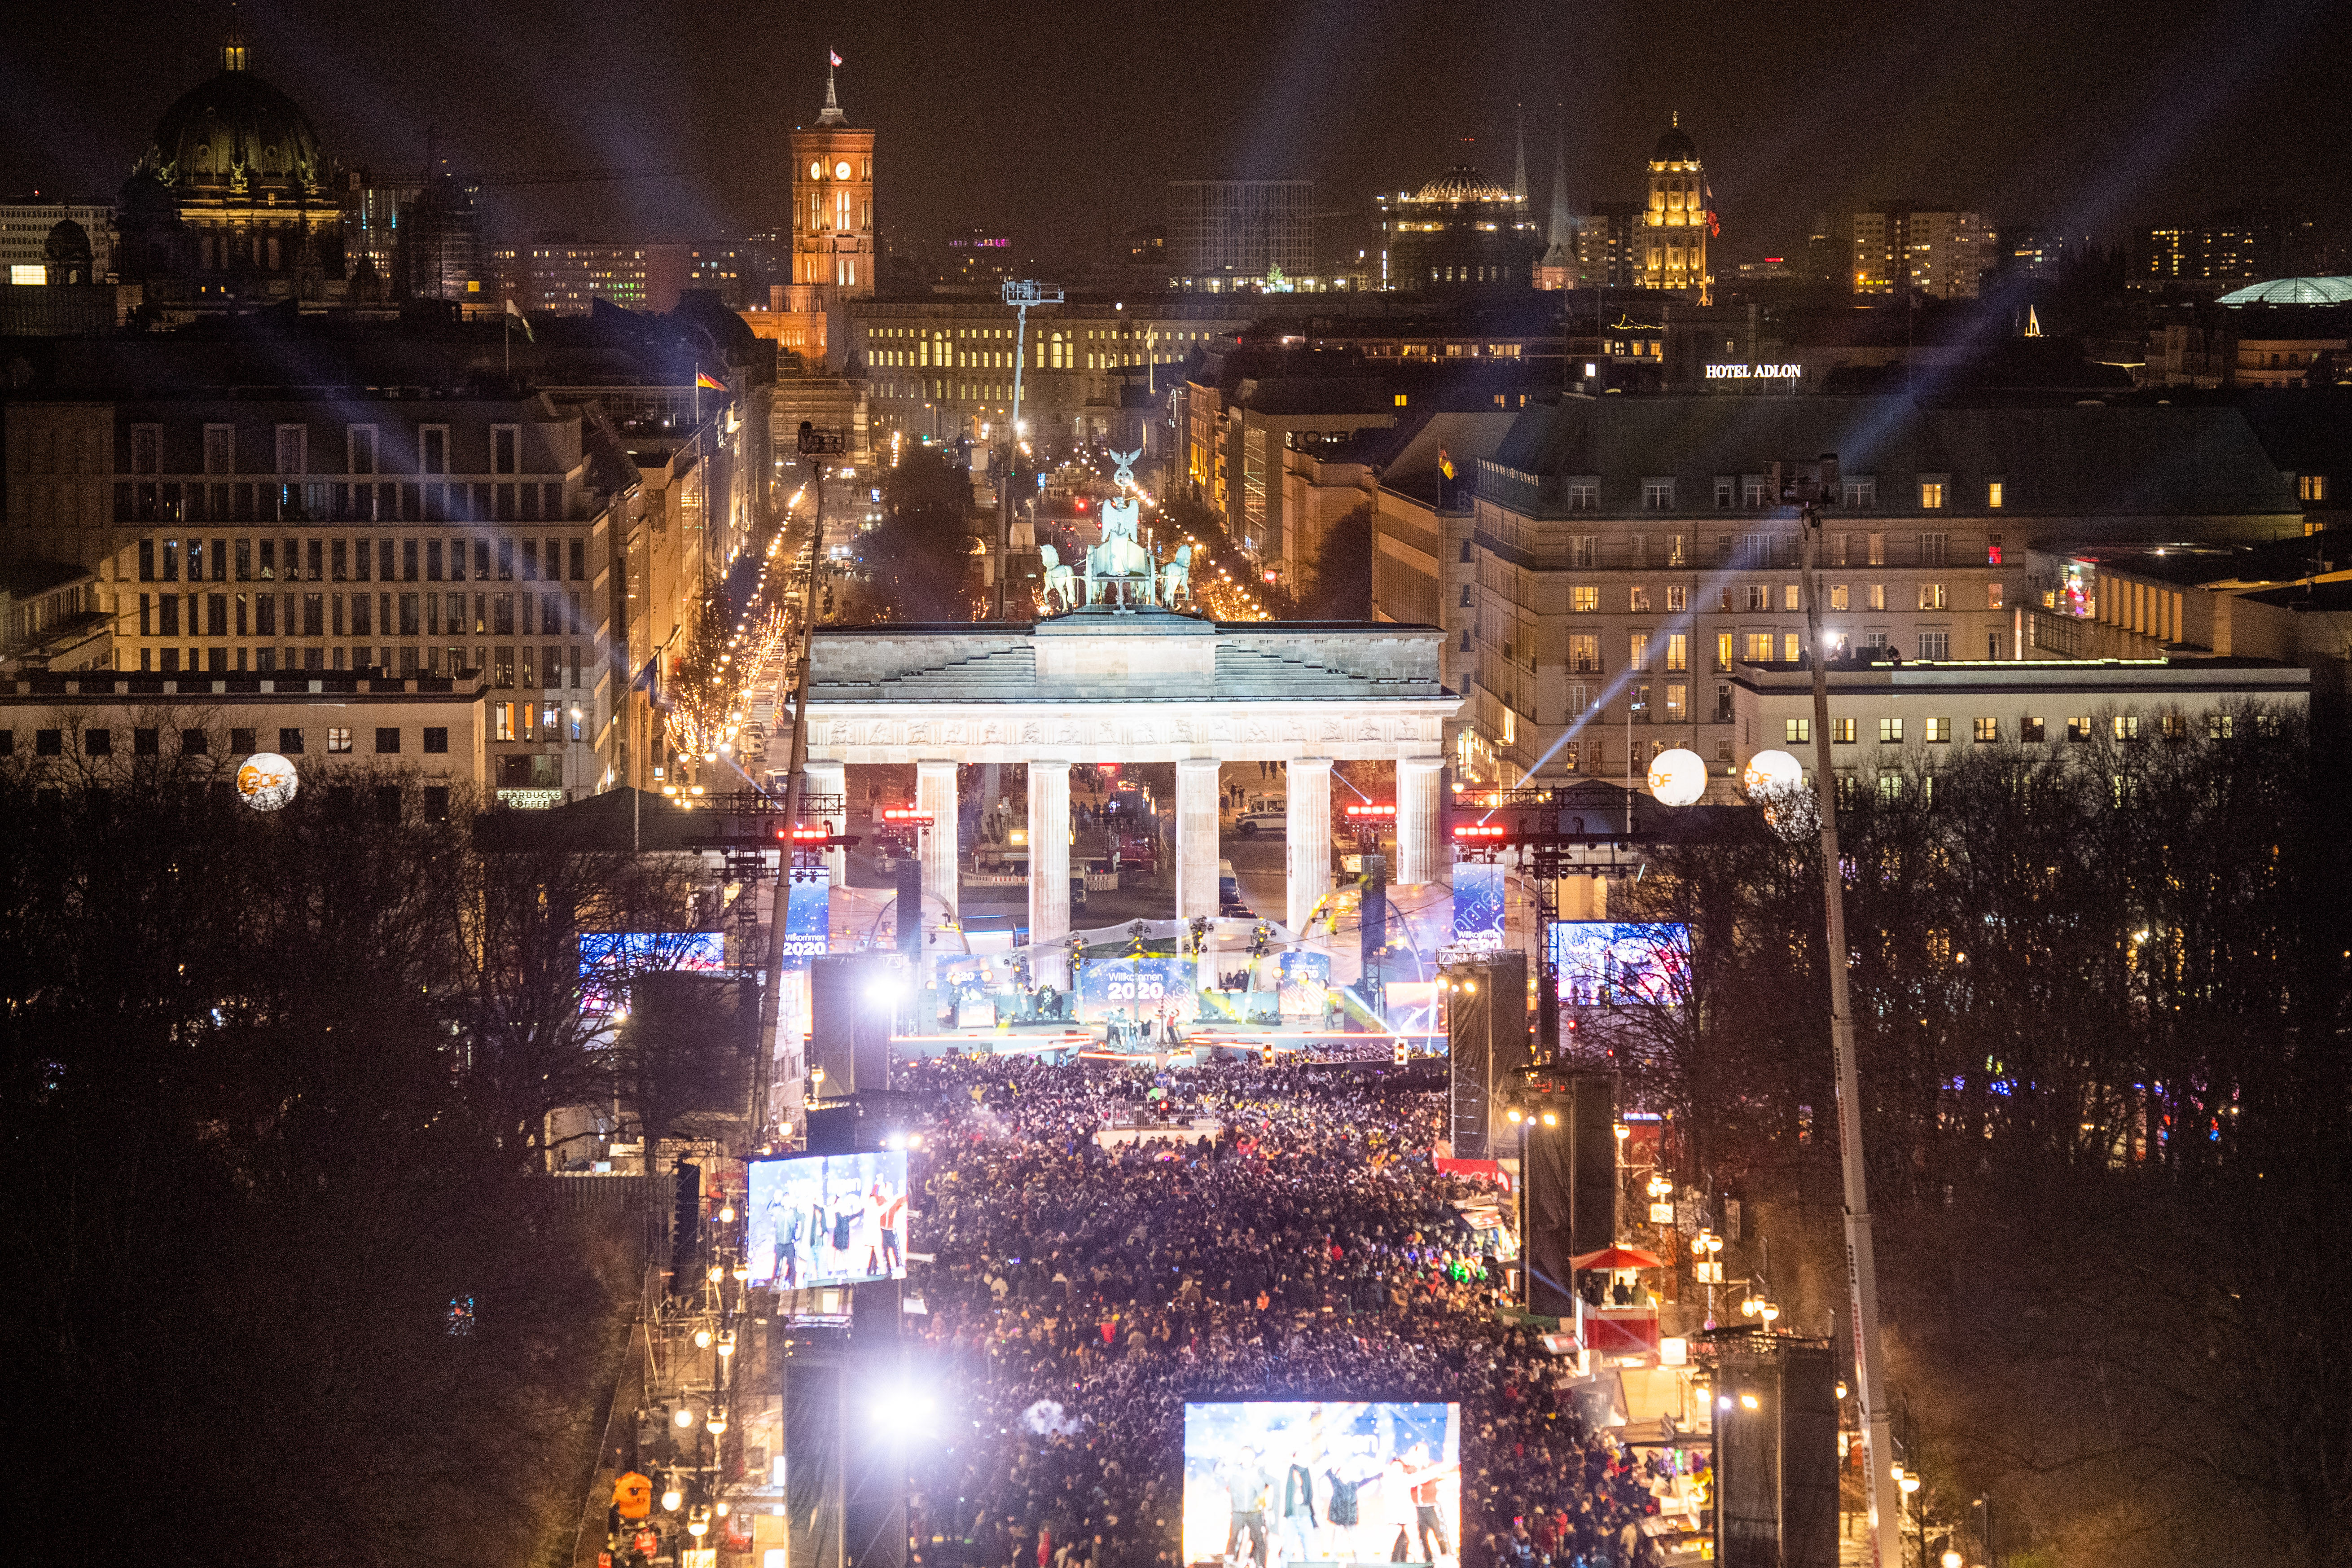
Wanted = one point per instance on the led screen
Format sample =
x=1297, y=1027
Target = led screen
x=808, y=920
x=609, y=958
x=1331, y=1481
x=1605, y=964
x=829, y=1219
x=1478, y=906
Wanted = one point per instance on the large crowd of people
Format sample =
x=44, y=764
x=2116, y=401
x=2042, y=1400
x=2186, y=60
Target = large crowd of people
x=1295, y=1241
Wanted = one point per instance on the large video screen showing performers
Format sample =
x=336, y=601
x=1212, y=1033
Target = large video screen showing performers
x=829, y=1219
x=1611, y=963
x=1324, y=1481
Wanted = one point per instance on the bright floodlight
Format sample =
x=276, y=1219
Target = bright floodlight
x=1677, y=777
x=1769, y=772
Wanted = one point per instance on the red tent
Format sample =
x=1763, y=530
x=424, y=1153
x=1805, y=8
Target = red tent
x=1613, y=1258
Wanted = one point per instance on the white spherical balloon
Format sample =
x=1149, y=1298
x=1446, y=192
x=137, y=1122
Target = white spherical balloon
x=1769, y=772
x=1677, y=777
x=266, y=781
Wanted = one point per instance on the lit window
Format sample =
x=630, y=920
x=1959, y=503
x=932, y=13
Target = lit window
x=2314, y=487
x=2126, y=726
x=1931, y=595
x=1996, y=495
x=1890, y=731
x=1988, y=730
x=1584, y=601
x=1931, y=493
x=1939, y=732
x=1841, y=596
x=1842, y=731
x=1799, y=731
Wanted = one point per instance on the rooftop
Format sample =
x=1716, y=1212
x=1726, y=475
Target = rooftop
x=2292, y=292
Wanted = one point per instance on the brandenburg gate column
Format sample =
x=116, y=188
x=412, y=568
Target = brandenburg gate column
x=831, y=781
x=1307, y=829
x=1196, y=838
x=1049, y=871
x=1421, y=855
x=935, y=796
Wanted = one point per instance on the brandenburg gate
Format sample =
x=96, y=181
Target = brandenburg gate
x=1110, y=684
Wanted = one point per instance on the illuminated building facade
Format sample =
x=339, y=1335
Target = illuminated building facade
x=1459, y=234
x=1618, y=562
x=1937, y=252
x=832, y=246
x=1229, y=234
x=26, y=226
x=1675, y=225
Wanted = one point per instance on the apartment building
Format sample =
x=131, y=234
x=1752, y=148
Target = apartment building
x=1888, y=725
x=414, y=739
x=1622, y=557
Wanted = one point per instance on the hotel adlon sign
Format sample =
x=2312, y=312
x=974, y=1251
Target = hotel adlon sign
x=1755, y=373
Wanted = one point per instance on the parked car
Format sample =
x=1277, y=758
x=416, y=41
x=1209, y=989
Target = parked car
x=1272, y=818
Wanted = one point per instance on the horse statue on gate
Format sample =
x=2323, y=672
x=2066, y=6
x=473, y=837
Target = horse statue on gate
x=1119, y=569
x=1060, y=584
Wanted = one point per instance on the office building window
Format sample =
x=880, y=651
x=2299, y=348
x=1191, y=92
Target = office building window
x=387, y=740
x=338, y=739
x=2078, y=729
x=1842, y=731
x=2126, y=726
x=1988, y=730
x=1939, y=732
x=2030, y=729
x=1797, y=731
x=436, y=740
x=1890, y=731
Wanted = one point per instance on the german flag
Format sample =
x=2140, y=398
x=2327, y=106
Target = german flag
x=708, y=381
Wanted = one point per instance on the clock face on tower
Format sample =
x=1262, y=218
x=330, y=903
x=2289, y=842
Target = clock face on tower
x=841, y=169
x=816, y=169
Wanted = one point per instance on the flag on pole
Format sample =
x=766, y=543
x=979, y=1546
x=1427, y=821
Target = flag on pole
x=520, y=320
x=704, y=380
x=835, y=55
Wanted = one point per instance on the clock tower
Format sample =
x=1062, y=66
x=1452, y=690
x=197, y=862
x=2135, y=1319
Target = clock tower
x=832, y=219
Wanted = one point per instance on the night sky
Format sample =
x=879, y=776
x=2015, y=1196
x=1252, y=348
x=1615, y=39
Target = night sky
x=1062, y=119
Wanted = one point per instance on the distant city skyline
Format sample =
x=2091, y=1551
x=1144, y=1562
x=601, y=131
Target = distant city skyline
x=1048, y=121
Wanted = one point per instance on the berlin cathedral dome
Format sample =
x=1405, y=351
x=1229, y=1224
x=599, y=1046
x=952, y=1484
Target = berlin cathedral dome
x=233, y=202
x=237, y=131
